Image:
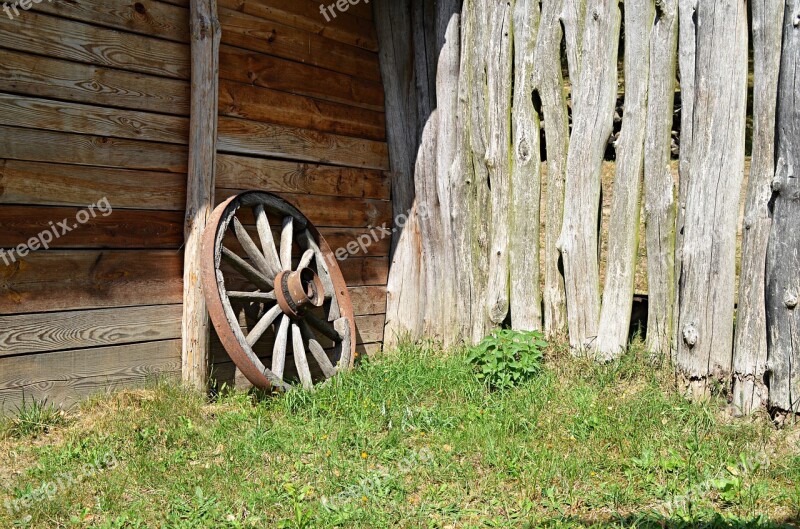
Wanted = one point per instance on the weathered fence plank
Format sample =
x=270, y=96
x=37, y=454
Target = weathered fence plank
x=659, y=182
x=783, y=258
x=716, y=159
x=623, y=228
x=593, y=113
x=526, y=176
x=750, y=347
x=548, y=81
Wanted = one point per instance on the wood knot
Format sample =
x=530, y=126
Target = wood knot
x=596, y=15
x=140, y=8
x=790, y=300
x=776, y=185
x=690, y=335
x=272, y=35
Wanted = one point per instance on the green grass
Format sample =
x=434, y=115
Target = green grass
x=411, y=439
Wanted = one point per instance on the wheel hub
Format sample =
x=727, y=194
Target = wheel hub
x=297, y=291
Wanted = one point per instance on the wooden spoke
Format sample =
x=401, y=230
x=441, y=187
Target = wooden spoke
x=258, y=297
x=300, y=360
x=250, y=273
x=317, y=351
x=263, y=324
x=287, y=236
x=267, y=240
x=307, y=241
x=342, y=326
x=324, y=327
x=251, y=249
x=279, y=349
x=306, y=259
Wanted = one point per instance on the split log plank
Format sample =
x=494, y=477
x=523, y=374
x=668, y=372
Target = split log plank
x=783, y=257
x=593, y=112
x=708, y=267
x=548, y=79
x=659, y=183
x=525, y=300
x=750, y=392
x=623, y=229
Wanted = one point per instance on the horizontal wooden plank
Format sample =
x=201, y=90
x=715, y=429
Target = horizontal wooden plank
x=146, y=17
x=61, y=147
x=345, y=28
x=359, y=8
x=21, y=182
x=282, y=108
x=263, y=70
x=58, y=331
x=365, y=271
x=64, y=378
x=368, y=300
x=104, y=227
x=245, y=172
x=48, y=114
x=76, y=41
x=239, y=136
x=326, y=211
x=69, y=280
x=273, y=38
x=35, y=75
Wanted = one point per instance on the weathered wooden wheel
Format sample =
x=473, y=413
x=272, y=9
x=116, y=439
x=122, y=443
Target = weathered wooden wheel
x=263, y=298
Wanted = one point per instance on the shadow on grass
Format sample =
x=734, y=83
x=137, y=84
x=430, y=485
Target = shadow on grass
x=653, y=521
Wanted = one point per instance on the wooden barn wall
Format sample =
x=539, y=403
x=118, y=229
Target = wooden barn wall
x=301, y=114
x=94, y=104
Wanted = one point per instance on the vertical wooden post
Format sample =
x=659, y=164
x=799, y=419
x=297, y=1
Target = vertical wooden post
x=205, y=39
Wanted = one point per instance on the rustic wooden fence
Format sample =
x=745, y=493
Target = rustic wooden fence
x=475, y=86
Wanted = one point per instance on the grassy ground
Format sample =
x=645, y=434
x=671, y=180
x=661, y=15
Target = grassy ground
x=408, y=440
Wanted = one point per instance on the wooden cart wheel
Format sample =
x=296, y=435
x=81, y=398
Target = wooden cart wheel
x=276, y=299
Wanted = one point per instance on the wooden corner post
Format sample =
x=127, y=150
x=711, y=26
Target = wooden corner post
x=205, y=39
